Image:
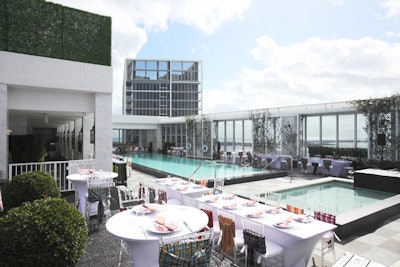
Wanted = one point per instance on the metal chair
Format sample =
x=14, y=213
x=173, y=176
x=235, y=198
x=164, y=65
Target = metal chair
x=258, y=248
x=189, y=250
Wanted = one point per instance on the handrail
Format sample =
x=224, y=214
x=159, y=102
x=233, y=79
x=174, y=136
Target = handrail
x=201, y=165
x=283, y=156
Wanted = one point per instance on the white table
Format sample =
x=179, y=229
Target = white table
x=79, y=181
x=298, y=242
x=142, y=242
x=177, y=187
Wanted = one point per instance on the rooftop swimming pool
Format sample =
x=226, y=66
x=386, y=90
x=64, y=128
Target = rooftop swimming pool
x=342, y=194
x=184, y=167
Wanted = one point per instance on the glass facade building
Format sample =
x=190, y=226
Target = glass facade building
x=162, y=88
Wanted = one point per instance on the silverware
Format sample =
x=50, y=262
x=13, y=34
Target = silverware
x=187, y=226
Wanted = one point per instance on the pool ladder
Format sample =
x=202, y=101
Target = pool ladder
x=290, y=166
x=201, y=165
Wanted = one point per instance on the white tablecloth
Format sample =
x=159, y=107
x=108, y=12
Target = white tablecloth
x=142, y=242
x=298, y=242
x=80, y=183
x=177, y=187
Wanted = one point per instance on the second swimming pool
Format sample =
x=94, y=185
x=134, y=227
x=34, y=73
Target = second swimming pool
x=342, y=194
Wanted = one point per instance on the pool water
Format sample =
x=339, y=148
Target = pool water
x=184, y=167
x=342, y=194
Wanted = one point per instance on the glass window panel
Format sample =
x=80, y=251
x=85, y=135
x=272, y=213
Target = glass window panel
x=176, y=65
x=151, y=65
x=140, y=64
x=163, y=65
x=313, y=130
x=362, y=136
x=238, y=136
x=188, y=66
x=248, y=136
x=346, y=130
x=329, y=131
x=140, y=75
x=221, y=134
x=163, y=75
x=152, y=75
x=229, y=136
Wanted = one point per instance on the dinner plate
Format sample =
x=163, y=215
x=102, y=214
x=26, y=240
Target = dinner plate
x=283, y=225
x=197, y=186
x=182, y=188
x=141, y=209
x=230, y=207
x=255, y=215
x=250, y=204
x=273, y=210
x=152, y=228
x=229, y=197
x=304, y=219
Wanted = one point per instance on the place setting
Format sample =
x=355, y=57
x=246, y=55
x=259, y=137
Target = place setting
x=163, y=225
x=146, y=209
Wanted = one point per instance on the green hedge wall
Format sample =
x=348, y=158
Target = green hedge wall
x=40, y=28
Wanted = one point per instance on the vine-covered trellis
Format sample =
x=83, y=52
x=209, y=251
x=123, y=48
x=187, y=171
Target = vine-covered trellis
x=382, y=115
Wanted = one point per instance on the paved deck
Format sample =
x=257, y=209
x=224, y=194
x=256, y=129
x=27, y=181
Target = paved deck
x=380, y=243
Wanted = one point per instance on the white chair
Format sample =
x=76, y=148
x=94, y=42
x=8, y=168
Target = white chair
x=226, y=223
x=271, y=254
x=218, y=186
x=131, y=196
x=98, y=192
x=273, y=199
x=327, y=213
x=189, y=201
x=325, y=168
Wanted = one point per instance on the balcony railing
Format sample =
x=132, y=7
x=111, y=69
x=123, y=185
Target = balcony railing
x=58, y=169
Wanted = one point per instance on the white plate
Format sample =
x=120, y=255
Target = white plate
x=250, y=204
x=304, y=219
x=273, y=210
x=230, y=207
x=255, y=215
x=141, y=209
x=197, y=186
x=284, y=225
x=153, y=228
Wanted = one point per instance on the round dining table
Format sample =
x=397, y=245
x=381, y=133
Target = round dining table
x=139, y=231
x=80, y=183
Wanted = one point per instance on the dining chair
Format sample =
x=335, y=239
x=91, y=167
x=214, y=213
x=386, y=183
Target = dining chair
x=295, y=204
x=230, y=242
x=258, y=248
x=188, y=250
x=163, y=197
x=98, y=191
x=75, y=165
x=326, y=167
x=213, y=222
x=218, y=186
x=326, y=213
x=189, y=201
x=131, y=196
x=273, y=199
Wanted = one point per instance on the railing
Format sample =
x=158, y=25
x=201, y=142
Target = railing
x=58, y=169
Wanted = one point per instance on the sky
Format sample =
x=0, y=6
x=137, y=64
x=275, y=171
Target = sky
x=260, y=54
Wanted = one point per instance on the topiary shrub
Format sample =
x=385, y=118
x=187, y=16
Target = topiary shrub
x=29, y=186
x=45, y=232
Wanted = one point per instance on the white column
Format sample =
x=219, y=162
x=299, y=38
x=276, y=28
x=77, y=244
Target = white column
x=3, y=133
x=103, y=129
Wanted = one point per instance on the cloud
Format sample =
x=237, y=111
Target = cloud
x=393, y=8
x=313, y=71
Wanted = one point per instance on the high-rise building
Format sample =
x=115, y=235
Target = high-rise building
x=170, y=88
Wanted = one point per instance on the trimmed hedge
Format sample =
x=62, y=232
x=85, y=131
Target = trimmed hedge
x=29, y=186
x=40, y=28
x=45, y=232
